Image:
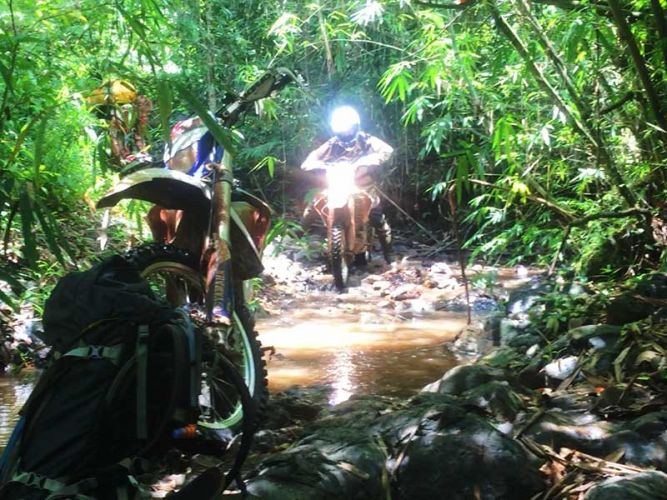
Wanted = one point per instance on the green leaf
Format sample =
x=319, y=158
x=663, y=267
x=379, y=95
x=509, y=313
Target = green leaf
x=618, y=363
x=27, y=223
x=62, y=241
x=164, y=99
x=268, y=162
x=8, y=300
x=461, y=176
x=6, y=76
x=222, y=135
x=51, y=240
x=40, y=143
x=13, y=282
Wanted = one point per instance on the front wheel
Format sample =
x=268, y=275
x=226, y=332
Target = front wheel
x=173, y=274
x=339, y=266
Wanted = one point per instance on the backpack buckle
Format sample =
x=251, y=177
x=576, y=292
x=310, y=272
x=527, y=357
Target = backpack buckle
x=96, y=352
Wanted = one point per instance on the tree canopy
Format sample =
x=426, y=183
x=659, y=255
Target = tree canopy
x=544, y=121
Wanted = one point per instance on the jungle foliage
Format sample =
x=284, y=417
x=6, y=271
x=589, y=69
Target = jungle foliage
x=543, y=121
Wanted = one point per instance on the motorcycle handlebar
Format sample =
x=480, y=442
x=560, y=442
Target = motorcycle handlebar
x=276, y=78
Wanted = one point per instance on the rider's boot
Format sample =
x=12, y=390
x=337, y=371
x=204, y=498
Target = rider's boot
x=383, y=230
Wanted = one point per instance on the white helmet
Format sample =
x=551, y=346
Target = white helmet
x=345, y=123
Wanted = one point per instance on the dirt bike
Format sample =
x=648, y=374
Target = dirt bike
x=208, y=239
x=345, y=209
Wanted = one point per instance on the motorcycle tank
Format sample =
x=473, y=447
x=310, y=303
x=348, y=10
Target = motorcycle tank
x=192, y=147
x=168, y=188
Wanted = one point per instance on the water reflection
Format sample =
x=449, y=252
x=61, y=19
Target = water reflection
x=341, y=370
x=14, y=393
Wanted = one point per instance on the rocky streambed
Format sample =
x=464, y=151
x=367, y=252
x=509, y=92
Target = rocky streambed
x=569, y=403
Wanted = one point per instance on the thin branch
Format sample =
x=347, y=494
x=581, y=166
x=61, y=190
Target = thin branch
x=450, y=5
x=538, y=199
x=611, y=107
x=451, y=198
x=632, y=212
x=327, y=45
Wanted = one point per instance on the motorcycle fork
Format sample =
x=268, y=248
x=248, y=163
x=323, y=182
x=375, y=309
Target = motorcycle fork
x=351, y=230
x=218, y=279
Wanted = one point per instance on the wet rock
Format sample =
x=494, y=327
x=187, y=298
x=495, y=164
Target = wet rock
x=405, y=292
x=497, y=398
x=636, y=304
x=597, y=336
x=503, y=357
x=452, y=305
x=561, y=368
x=421, y=306
x=522, y=299
x=467, y=342
x=343, y=464
x=296, y=405
x=266, y=440
x=466, y=377
x=577, y=429
x=443, y=281
x=524, y=341
x=643, y=486
x=644, y=440
x=484, y=304
x=360, y=411
x=440, y=268
x=492, y=327
x=381, y=285
x=464, y=456
x=511, y=327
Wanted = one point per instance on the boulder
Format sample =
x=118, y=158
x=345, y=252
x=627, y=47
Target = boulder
x=462, y=378
x=458, y=455
x=330, y=464
x=643, y=486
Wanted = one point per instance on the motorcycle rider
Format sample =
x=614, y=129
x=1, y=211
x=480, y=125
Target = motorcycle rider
x=366, y=152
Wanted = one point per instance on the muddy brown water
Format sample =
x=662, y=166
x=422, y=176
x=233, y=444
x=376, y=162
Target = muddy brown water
x=356, y=351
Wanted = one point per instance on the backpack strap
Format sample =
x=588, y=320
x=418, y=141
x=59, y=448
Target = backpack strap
x=142, y=381
x=110, y=352
x=57, y=489
x=195, y=364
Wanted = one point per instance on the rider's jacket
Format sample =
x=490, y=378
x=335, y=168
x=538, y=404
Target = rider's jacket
x=336, y=150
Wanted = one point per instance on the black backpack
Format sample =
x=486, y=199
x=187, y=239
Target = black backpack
x=122, y=377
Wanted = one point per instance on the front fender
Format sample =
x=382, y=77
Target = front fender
x=167, y=188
